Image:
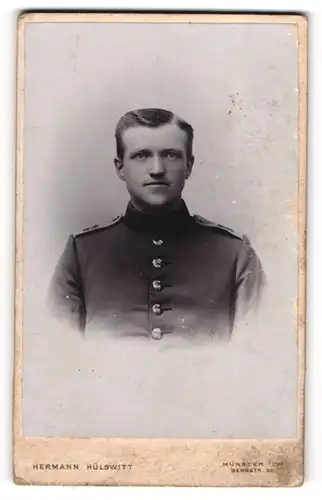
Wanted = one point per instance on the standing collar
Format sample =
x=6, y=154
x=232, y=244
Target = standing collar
x=174, y=221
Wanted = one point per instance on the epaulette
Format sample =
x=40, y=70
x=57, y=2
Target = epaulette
x=98, y=227
x=207, y=223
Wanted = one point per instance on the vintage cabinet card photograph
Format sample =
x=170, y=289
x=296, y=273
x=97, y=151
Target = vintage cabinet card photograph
x=160, y=249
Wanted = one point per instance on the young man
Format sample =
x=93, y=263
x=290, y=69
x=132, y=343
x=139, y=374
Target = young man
x=156, y=270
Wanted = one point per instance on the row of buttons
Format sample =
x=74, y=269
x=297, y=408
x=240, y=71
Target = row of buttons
x=156, y=284
x=157, y=262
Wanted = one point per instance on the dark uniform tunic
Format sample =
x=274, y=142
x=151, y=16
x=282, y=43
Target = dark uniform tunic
x=156, y=275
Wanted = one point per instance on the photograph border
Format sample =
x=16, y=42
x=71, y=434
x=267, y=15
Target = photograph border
x=160, y=462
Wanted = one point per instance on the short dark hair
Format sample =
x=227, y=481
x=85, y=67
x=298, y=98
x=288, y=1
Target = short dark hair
x=150, y=117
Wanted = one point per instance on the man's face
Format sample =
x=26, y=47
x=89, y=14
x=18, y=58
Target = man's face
x=155, y=165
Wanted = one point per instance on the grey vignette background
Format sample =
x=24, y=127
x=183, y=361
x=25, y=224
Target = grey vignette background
x=237, y=85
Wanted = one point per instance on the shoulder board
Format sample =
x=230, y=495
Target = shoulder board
x=98, y=227
x=207, y=223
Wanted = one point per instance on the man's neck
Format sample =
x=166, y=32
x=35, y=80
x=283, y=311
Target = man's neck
x=157, y=210
x=161, y=222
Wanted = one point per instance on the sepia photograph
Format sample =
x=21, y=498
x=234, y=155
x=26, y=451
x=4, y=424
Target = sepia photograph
x=160, y=254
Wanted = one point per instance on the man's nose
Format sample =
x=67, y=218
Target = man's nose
x=157, y=167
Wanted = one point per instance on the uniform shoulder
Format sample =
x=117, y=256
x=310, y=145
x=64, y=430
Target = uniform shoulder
x=227, y=230
x=99, y=227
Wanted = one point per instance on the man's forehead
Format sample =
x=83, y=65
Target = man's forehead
x=165, y=136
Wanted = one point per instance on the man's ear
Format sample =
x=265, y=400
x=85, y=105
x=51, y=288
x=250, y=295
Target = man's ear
x=190, y=163
x=119, y=168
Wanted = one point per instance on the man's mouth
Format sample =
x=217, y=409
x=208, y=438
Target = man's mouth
x=156, y=183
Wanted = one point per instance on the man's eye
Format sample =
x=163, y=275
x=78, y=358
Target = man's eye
x=141, y=155
x=171, y=154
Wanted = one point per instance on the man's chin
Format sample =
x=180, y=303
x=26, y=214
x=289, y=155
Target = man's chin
x=157, y=199
x=156, y=203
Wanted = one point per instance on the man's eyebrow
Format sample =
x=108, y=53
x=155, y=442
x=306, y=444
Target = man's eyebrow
x=177, y=151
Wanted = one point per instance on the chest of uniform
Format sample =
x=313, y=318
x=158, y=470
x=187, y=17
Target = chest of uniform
x=133, y=266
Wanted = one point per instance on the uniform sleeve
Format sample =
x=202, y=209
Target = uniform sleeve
x=65, y=296
x=250, y=279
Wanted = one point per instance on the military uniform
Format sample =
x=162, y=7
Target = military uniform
x=156, y=275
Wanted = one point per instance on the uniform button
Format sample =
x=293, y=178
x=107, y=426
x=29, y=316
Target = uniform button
x=156, y=284
x=156, y=333
x=156, y=308
x=157, y=262
x=157, y=242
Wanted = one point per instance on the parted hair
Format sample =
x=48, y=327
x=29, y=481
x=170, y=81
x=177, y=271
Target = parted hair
x=150, y=117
